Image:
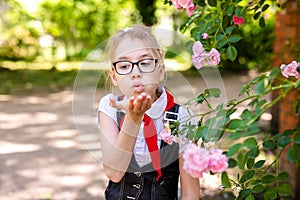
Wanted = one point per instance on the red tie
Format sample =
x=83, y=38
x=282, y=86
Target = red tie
x=150, y=134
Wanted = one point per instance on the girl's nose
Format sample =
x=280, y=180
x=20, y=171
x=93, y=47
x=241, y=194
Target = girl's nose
x=136, y=72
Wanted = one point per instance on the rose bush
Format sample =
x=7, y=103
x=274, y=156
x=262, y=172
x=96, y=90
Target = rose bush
x=245, y=171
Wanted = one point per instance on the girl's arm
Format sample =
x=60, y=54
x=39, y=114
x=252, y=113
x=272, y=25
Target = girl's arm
x=117, y=145
x=190, y=187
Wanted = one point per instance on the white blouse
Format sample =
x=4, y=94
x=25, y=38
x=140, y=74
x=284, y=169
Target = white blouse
x=156, y=112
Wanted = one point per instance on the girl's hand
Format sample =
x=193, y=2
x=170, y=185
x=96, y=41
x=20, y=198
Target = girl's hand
x=135, y=106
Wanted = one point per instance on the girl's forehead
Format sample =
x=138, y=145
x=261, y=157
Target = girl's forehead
x=132, y=47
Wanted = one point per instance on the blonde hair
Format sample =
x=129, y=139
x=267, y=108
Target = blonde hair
x=140, y=32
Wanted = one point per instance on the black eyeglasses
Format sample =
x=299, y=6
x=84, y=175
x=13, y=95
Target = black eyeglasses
x=146, y=65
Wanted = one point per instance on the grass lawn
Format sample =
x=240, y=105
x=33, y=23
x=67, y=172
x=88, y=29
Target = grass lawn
x=26, y=82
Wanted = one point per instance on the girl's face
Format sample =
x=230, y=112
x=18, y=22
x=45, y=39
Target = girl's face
x=136, y=82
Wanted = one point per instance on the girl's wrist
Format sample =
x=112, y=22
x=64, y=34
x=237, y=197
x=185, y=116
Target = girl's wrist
x=131, y=127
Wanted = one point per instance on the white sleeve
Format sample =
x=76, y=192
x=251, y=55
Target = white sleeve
x=105, y=108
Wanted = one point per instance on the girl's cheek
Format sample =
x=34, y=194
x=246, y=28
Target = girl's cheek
x=124, y=86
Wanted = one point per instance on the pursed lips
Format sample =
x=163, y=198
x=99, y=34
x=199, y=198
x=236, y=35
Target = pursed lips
x=138, y=87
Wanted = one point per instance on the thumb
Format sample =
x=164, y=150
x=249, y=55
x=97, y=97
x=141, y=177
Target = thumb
x=116, y=104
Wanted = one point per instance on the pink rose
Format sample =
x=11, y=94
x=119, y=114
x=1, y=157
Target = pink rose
x=176, y=4
x=195, y=161
x=185, y=3
x=165, y=134
x=290, y=70
x=218, y=162
x=238, y=20
x=204, y=36
x=202, y=60
x=198, y=48
x=214, y=56
x=190, y=10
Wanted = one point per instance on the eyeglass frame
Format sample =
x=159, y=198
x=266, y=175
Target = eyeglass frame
x=135, y=63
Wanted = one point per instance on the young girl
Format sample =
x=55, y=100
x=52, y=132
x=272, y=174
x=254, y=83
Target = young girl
x=138, y=163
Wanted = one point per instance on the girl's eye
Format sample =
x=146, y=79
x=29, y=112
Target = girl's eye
x=146, y=63
x=124, y=65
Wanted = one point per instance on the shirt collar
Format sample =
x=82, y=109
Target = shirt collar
x=158, y=107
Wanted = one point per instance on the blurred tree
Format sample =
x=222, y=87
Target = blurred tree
x=81, y=25
x=18, y=37
x=147, y=11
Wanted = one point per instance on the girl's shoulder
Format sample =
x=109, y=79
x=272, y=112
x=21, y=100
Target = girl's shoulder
x=105, y=100
x=104, y=106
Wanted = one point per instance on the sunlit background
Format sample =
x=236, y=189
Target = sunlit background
x=43, y=44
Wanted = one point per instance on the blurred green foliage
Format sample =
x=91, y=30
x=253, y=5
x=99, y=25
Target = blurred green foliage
x=74, y=28
x=28, y=82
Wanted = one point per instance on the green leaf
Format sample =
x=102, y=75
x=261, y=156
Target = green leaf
x=262, y=22
x=284, y=141
x=265, y=7
x=234, y=38
x=236, y=124
x=234, y=149
x=284, y=190
x=201, y=132
x=258, y=188
x=241, y=159
x=288, y=132
x=247, y=175
x=261, y=2
x=283, y=176
x=222, y=43
x=225, y=180
x=259, y=164
x=212, y=92
x=200, y=98
x=201, y=3
x=250, y=163
x=244, y=193
x=212, y=3
x=260, y=88
x=229, y=29
x=250, y=143
x=250, y=197
x=231, y=53
x=256, y=15
x=230, y=10
x=269, y=144
x=297, y=138
x=293, y=154
x=219, y=37
x=274, y=73
x=268, y=178
x=253, y=153
x=238, y=11
x=270, y=194
x=232, y=163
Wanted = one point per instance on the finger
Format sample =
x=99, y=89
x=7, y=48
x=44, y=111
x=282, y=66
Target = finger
x=115, y=104
x=131, y=103
x=148, y=102
x=138, y=103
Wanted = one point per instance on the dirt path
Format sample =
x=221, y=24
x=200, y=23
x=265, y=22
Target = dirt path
x=44, y=156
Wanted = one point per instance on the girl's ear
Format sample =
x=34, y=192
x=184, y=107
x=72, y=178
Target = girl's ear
x=113, y=77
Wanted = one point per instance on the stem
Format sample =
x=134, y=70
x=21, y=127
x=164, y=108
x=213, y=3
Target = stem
x=269, y=105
